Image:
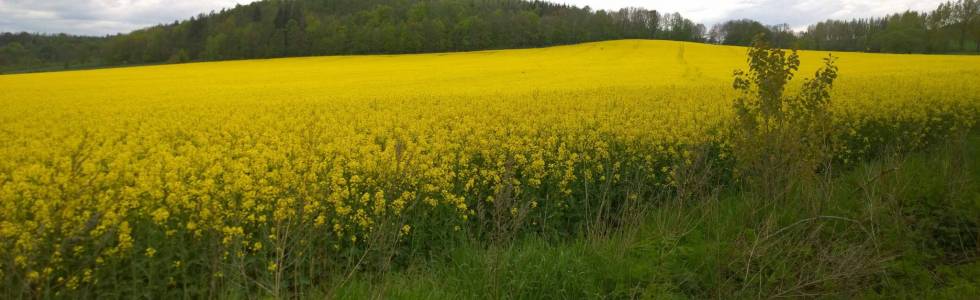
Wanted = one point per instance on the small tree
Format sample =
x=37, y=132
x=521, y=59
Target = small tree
x=780, y=140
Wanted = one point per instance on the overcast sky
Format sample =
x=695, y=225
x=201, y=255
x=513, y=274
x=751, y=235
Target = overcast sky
x=99, y=17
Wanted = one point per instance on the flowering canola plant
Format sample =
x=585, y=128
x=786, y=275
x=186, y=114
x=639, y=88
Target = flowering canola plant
x=285, y=164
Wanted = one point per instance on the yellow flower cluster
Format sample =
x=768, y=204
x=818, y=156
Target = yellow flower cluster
x=255, y=157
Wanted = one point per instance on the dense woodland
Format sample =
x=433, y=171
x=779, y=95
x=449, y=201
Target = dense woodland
x=281, y=28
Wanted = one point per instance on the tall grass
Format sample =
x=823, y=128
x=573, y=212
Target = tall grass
x=903, y=225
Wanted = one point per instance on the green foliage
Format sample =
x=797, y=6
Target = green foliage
x=951, y=27
x=178, y=57
x=743, y=32
x=19, y=51
x=948, y=28
x=761, y=88
x=780, y=139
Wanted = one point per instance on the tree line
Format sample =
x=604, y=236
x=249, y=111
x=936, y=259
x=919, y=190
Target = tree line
x=282, y=28
x=38, y=51
x=952, y=27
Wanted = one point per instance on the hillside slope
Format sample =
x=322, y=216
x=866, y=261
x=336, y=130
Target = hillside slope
x=273, y=177
x=620, y=64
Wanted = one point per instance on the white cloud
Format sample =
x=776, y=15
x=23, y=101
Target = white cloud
x=98, y=17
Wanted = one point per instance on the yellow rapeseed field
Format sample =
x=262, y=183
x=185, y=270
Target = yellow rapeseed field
x=204, y=168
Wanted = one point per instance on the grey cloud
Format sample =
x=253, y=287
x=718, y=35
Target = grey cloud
x=798, y=14
x=99, y=17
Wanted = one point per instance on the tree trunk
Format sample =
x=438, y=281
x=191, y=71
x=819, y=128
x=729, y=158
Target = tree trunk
x=963, y=38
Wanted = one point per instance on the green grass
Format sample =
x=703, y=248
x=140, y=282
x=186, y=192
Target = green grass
x=902, y=226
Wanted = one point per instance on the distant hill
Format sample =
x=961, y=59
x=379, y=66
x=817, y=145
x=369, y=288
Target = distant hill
x=283, y=28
